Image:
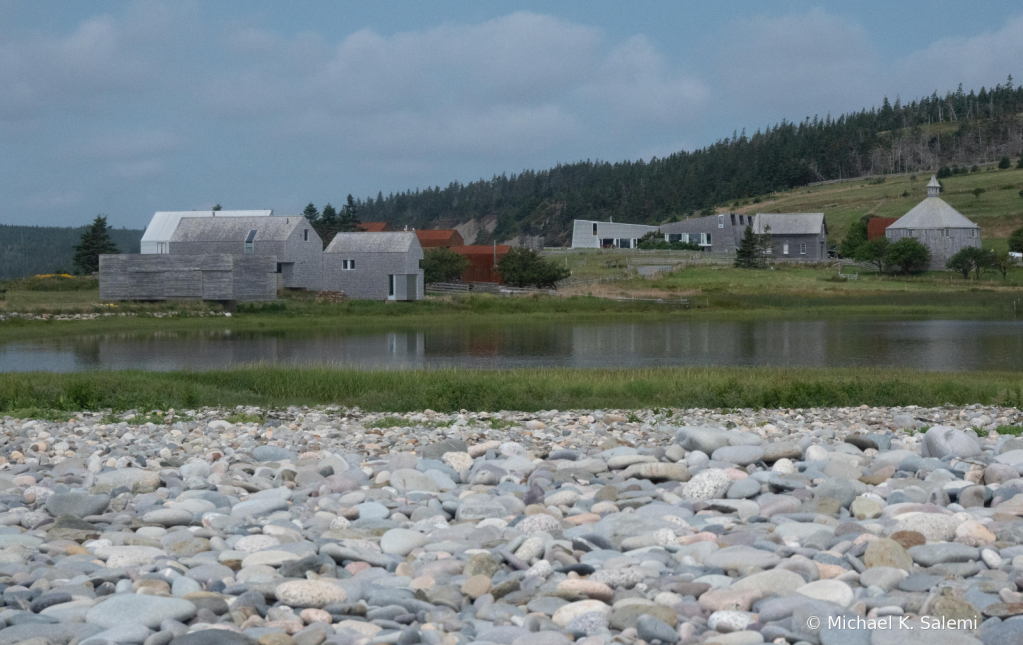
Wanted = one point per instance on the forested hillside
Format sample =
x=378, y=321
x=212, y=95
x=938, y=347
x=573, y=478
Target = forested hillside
x=957, y=128
x=31, y=250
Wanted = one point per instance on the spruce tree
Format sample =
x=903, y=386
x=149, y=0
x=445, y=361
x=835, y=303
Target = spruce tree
x=746, y=254
x=95, y=242
x=349, y=220
x=311, y=213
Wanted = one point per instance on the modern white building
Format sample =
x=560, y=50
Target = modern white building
x=161, y=228
x=588, y=234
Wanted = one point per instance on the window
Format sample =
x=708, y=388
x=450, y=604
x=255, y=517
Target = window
x=250, y=240
x=784, y=249
x=161, y=247
x=973, y=233
x=349, y=265
x=594, y=228
x=802, y=249
x=390, y=286
x=624, y=243
x=278, y=268
x=706, y=239
x=733, y=219
x=305, y=235
x=947, y=232
x=721, y=221
x=741, y=222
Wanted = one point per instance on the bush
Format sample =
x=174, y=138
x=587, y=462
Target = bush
x=1016, y=238
x=443, y=265
x=944, y=172
x=525, y=268
x=1004, y=163
x=970, y=259
x=654, y=241
x=909, y=255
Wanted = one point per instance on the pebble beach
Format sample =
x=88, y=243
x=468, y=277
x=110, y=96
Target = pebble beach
x=302, y=526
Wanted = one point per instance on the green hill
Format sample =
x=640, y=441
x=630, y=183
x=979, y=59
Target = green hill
x=998, y=210
x=32, y=250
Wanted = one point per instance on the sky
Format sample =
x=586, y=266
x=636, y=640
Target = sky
x=126, y=108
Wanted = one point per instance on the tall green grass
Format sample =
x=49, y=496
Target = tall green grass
x=455, y=389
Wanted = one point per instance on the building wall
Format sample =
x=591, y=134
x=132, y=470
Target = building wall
x=583, y=233
x=368, y=281
x=725, y=230
x=942, y=246
x=816, y=247
x=301, y=262
x=192, y=277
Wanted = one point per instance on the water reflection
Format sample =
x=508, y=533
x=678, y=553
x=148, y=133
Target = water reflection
x=943, y=345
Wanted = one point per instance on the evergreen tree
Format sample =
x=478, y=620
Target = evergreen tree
x=329, y=217
x=856, y=236
x=349, y=220
x=216, y=208
x=311, y=213
x=746, y=254
x=1004, y=163
x=95, y=242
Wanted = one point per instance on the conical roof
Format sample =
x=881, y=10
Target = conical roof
x=933, y=212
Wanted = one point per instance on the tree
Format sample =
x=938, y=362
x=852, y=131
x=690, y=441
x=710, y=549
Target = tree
x=944, y=172
x=909, y=255
x=970, y=259
x=94, y=243
x=443, y=265
x=1001, y=262
x=311, y=213
x=526, y=268
x=856, y=236
x=874, y=252
x=746, y=254
x=216, y=208
x=329, y=217
x=977, y=192
x=349, y=220
x=1016, y=240
x=1004, y=163
x=1019, y=162
x=763, y=246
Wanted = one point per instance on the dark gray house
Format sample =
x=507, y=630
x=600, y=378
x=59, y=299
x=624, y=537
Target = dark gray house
x=375, y=266
x=291, y=240
x=938, y=226
x=222, y=277
x=714, y=233
x=800, y=237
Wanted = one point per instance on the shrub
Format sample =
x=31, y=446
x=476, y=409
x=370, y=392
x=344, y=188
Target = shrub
x=874, y=252
x=944, y=172
x=443, y=265
x=909, y=255
x=1004, y=163
x=525, y=268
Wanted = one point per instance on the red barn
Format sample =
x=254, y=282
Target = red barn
x=877, y=225
x=437, y=239
x=483, y=262
x=374, y=227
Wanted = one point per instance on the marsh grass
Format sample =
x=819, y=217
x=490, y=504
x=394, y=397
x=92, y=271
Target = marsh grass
x=483, y=390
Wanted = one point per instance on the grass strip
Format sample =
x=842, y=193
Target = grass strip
x=527, y=390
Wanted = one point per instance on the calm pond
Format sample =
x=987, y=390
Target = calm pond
x=944, y=345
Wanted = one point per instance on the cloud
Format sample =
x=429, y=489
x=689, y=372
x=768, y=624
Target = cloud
x=797, y=65
x=522, y=83
x=103, y=59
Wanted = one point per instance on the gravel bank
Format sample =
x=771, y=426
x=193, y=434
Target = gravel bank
x=657, y=526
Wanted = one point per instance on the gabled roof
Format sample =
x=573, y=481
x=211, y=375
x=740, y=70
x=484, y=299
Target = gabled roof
x=235, y=229
x=390, y=242
x=374, y=227
x=164, y=223
x=790, y=223
x=443, y=235
x=933, y=212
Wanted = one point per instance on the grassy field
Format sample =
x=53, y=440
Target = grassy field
x=41, y=393
x=998, y=211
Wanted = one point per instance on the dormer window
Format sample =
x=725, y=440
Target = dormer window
x=250, y=241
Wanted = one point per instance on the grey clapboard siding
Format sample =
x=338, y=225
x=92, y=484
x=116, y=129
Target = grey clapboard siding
x=187, y=277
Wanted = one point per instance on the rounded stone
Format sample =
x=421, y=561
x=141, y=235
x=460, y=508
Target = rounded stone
x=310, y=593
x=476, y=586
x=150, y=611
x=402, y=541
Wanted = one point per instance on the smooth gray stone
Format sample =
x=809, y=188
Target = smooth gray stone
x=928, y=555
x=273, y=453
x=76, y=504
x=133, y=608
x=58, y=633
x=651, y=628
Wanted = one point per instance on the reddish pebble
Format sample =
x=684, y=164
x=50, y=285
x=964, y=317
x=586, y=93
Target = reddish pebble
x=356, y=567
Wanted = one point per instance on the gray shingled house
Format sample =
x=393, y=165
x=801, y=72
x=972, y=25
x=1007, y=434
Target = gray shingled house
x=294, y=243
x=938, y=226
x=714, y=233
x=802, y=237
x=223, y=277
x=375, y=266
